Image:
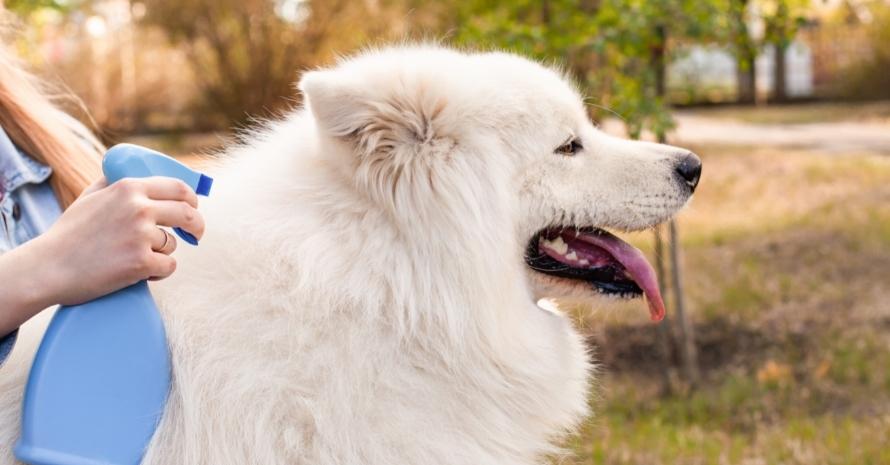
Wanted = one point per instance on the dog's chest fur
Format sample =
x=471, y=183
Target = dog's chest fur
x=256, y=383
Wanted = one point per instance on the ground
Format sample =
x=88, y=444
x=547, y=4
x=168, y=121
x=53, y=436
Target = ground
x=786, y=251
x=786, y=256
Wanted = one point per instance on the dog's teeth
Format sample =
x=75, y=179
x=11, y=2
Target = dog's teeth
x=557, y=245
x=584, y=261
x=572, y=256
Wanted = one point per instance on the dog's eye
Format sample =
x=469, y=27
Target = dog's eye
x=571, y=147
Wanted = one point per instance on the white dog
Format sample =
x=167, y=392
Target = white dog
x=364, y=293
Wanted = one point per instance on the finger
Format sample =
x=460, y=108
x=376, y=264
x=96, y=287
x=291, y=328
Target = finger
x=163, y=242
x=95, y=186
x=164, y=188
x=179, y=215
x=160, y=266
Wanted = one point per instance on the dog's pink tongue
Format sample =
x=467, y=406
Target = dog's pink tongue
x=636, y=265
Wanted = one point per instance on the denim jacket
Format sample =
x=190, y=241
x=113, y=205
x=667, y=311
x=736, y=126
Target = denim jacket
x=28, y=207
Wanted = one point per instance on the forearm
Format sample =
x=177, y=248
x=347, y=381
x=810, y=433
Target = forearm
x=25, y=285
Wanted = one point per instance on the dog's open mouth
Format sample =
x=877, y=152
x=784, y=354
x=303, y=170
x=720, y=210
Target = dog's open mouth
x=595, y=256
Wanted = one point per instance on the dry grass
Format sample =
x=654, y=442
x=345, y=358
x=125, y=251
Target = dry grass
x=804, y=113
x=787, y=266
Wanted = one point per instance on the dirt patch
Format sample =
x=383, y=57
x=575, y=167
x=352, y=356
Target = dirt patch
x=720, y=343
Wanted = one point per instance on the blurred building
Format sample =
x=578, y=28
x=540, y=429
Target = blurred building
x=707, y=73
x=833, y=38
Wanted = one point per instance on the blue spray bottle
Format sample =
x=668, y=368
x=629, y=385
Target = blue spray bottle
x=100, y=379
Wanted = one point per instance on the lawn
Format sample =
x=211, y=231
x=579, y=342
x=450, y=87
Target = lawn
x=817, y=112
x=787, y=266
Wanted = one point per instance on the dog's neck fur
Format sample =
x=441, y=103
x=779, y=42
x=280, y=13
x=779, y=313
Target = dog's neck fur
x=422, y=280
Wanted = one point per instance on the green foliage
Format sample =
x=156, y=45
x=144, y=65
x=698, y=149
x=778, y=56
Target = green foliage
x=24, y=7
x=738, y=18
x=783, y=18
x=616, y=49
x=544, y=30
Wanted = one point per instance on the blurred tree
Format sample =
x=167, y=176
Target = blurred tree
x=637, y=40
x=24, y=7
x=782, y=18
x=246, y=54
x=744, y=49
x=617, y=49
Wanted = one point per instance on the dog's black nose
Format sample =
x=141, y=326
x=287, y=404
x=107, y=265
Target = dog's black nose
x=689, y=169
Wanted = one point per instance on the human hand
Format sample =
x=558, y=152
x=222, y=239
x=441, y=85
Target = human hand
x=109, y=238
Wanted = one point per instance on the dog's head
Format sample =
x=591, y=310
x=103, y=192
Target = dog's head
x=502, y=147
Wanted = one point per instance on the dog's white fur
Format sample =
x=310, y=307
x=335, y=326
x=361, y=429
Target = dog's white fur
x=361, y=297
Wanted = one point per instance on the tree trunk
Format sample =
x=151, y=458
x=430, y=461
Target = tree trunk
x=779, y=72
x=684, y=325
x=686, y=342
x=659, y=63
x=663, y=334
x=746, y=80
x=780, y=43
x=745, y=54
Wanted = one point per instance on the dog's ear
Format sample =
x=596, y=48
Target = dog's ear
x=362, y=114
x=338, y=105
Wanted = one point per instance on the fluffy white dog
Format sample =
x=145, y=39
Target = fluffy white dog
x=366, y=291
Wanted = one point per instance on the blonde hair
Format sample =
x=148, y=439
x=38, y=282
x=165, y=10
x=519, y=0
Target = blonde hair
x=40, y=129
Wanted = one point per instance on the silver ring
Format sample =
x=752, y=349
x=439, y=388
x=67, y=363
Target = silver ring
x=166, y=240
